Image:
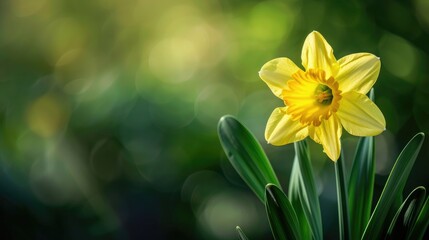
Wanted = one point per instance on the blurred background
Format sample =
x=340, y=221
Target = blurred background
x=109, y=109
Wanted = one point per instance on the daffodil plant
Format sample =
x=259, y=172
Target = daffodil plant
x=319, y=102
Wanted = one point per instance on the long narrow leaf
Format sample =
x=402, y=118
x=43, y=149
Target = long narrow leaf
x=295, y=187
x=308, y=193
x=241, y=235
x=343, y=210
x=246, y=155
x=394, y=186
x=281, y=215
x=407, y=214
x=422, y=223
x=361, y=186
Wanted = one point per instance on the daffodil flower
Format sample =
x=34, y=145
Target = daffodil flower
x=326, y=97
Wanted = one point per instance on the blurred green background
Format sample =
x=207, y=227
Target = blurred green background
x=108, y=109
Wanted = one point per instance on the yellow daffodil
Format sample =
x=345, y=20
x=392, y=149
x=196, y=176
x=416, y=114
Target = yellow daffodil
x=326, y=97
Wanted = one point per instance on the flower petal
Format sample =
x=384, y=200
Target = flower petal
x=360, y=116
x=329, y=134
x=281, y=129
x=312, y=134
x=276, y=73
x=358, y=72
x=318, y=54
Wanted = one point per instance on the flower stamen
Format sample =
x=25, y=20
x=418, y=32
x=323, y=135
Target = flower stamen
x=323, y=94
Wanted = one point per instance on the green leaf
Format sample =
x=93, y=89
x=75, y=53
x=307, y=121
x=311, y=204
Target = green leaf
x=421, y=224
x=295, y=187
x=406, y=215
x=394, y=187
x=281, y=215
x=343, y=210
x=246, y=155
x=241, y=235
x=361, y=186
x=308, y=193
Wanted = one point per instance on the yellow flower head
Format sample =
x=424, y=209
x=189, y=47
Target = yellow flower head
x=326, y=97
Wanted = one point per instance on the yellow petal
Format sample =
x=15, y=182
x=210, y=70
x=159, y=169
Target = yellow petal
x=360, y=116
x=312, y=134
x=329, y=134
x=318, y=54
x=276, y=73
x=281, y=129
x=358, y=72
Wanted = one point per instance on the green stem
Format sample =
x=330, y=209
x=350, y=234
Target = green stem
x=343, y=211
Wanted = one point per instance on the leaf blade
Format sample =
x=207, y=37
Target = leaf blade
x=241, y=235
x=308, y=194
x=343, y=210
x=406, y=215
x=246, y=155
x=421, y=224
x=281, y=215
x=394, y=186
x=295, y=187
x=361, y=186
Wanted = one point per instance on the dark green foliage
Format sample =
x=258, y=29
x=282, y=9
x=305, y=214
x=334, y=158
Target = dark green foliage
x=297, y=216
x=246, y=155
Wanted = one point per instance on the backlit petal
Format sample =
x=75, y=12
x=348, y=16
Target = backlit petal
x=329, y=134
x=358, y=72
x=281, y=129
x=318, y=54
x=312, y=134
x=276, y=73
x=360, y=116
